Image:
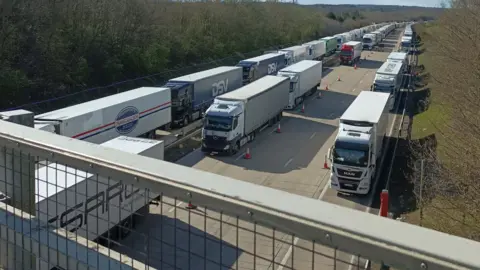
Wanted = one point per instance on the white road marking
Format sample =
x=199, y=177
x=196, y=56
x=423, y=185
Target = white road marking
x=287, y=255
x=354, y=89
x=239, y=156
x=313, y=135
x=288, y=162
x=173, y=208
x=361, y=81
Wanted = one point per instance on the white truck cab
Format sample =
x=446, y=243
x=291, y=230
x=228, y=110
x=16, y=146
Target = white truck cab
x=358, y=147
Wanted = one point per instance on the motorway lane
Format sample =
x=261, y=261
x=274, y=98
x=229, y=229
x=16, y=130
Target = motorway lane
x=290, y=161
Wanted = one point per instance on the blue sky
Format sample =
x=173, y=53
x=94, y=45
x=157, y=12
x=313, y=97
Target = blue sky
x=430, y=3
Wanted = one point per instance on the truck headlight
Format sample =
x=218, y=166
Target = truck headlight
x=226, y=147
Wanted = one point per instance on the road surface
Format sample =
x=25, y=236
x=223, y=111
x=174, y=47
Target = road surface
x=291, y=161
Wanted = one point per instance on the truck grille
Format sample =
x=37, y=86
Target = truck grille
x=347, y=184
x=215, y=142
x=345, y=173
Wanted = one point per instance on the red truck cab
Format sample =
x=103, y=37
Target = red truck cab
x=350, y=52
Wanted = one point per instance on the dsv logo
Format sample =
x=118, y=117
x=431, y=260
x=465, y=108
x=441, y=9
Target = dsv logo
x=219, y=87
x=272, y=68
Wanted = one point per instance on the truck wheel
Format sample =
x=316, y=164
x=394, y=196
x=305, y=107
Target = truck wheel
x=185, y=121
x=235, y=148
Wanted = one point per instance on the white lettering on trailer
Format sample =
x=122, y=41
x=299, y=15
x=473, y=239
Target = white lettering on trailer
x=220, y=87
x=272, y=68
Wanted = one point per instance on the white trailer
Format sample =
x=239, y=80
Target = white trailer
x=235, y=118
x=137, y=112
x=315, y=49
x=358, y=147
x=90, y=205
x=401, y=57
x=294, y=54
x=389, y=79
x=305, y=76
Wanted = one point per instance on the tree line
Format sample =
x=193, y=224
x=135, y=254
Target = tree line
x=50, y=49
x=451, y=171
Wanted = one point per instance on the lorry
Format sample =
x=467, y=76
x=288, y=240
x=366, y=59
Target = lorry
x=406, y=44
x=235, y=118
x=330, y=45
x=401, y=57
x=138, y=112
x=193, y=93
x=315, y=49
x=305, y=76
x=356, y=152
x=95, y=207
x=378, y=35
x=389, y=79
x=294, y=54
x=369, y=41
x=257, y=67
x=341, y=39
x=350, y=52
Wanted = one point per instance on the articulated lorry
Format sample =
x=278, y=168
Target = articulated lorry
x=369, y=41
x=193, y=93
x=399, y=57
x=305, y=76
x=350, y=52
x=137, y=112
x=294, y=54
x=257, y=67
x=236, y=118
x=359, y=145
x=315, y=49
x=330, y=45
x=97, y=208
x=389, y=79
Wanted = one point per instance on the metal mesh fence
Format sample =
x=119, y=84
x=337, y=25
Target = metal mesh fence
x=149, y=227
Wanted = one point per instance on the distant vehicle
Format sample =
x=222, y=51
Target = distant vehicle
x=305, y=76
x=350, y=52
x=138, y=112
x=389, y=79
x=294, y=54
x=315, y=49
x=330, y=45
x=399, y=57
x=369, y=41
x=356, y=154
x=235, y=118
x=193, y=93
x=257, y=67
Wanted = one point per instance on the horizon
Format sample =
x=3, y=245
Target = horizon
x=409, y=3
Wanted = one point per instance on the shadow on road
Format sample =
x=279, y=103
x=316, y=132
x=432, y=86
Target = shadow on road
x=167, y=243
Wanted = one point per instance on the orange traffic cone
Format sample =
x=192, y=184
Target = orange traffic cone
x=191, y=206
x=355, y=66
x=278, y=128
x=338, y=78
x=303, y=108
x=247, y=154
x=325, y=164
x=326, y=87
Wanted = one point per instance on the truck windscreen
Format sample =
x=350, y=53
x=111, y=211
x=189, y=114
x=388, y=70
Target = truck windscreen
x=350, y=157
x=345, y=53
x=367, y=40
x=218, y=123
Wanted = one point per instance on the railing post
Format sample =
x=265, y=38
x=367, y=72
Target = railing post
x=18, y=167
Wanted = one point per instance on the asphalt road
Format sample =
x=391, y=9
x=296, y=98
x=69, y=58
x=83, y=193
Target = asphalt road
x=291, y=161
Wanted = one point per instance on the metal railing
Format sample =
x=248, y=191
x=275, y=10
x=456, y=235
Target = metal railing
x=235, y=224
